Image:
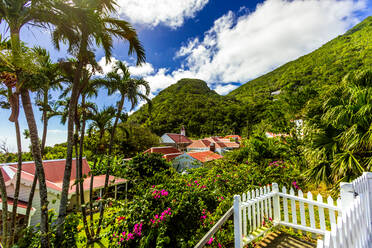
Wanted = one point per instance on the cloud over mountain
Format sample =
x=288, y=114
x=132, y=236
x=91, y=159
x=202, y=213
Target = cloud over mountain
x=170, y=13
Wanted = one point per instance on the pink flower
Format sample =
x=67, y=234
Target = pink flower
x=195, y=182
x=219, y=245
x=270, y=219
x=153, y=186
x=130, y=236
x=210, y=241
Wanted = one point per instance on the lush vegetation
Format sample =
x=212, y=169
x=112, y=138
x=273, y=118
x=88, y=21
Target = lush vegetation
x=203, y=112
x=330, y=89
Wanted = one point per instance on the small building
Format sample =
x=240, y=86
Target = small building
x=193, y=160
x=54, y=172
x=179, y=141
x=162, y=150
x=214, y=144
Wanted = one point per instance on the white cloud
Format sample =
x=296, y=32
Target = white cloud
x=239, y=49
x=171, y=13
x=224, y=89
x=106, y=66
x=141, y=71
x=236, y=50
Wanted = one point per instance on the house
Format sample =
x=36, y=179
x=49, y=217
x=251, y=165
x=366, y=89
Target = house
x=54, y=171
x=193, y=160
x=214, y=144
x=179, y=141
x=163, y=150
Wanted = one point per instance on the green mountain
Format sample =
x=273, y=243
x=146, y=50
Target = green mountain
x=326, y=65
x=190, y=102
x=202, y=111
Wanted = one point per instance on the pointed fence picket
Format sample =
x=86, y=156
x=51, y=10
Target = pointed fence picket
x=344, y=223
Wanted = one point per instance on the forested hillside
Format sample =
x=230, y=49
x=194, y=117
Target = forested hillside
x=203, y=112
x=190, y=102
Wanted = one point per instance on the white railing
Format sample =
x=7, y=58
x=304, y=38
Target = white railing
x=354, y=228
x=347, y=222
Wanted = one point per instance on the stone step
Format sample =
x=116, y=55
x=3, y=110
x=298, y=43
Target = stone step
x=283, y=240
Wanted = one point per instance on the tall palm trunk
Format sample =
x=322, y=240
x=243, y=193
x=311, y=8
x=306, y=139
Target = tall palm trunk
x=80, y=171
x=4, y=199
x=45, y=122
x=13, y=225
x=76, y=137
x=27, y=107
x=70, y=142
x=30, y=199
x=112, y=137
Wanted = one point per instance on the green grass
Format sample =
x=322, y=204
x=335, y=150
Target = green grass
x=104, y=243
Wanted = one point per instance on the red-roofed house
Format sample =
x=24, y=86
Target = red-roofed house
x=214, y=144
x=54, y=171
x=163, y=150
x=176, y=140
x=192, y=160
x=205, y=156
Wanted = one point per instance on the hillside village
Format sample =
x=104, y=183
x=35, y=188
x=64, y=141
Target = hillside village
x=230, y=124
x=185, y=153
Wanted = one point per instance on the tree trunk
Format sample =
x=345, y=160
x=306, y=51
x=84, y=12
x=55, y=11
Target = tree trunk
x=80, y=174
x=13, y=225
x=77, y=191
x=70, y=142
x=27, y=107
x=4, y=199
x=91, y=196
x=30, y=199
x=101, y=210
x=45, y=123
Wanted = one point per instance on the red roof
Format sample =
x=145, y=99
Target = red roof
x=162, y=150
x=20, y=204
x=171, y=156
x=5, y=175
x=205, y=156
x=219, y=143
x=179, y=138
x=54, y=171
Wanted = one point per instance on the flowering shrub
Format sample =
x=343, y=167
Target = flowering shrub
x=177, y=210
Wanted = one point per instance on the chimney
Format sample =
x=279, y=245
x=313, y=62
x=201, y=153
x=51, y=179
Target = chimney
x=212, y=147
x=183, y=131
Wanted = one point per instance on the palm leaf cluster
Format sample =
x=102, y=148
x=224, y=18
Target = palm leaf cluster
x=339, y=140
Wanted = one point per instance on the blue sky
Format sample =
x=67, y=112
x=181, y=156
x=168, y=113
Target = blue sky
x=225, y=43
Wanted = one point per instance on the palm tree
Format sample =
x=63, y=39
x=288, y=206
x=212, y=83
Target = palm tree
x=17, y=14
x=341, y=137
x=101, y=122
x=89, y=22
x=129, y=88
x=51, y=79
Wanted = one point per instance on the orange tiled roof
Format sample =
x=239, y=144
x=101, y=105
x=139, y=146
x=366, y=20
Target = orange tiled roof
x=162, y=150
x=205, y=156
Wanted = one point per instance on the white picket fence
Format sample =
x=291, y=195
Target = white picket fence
x=345, y=224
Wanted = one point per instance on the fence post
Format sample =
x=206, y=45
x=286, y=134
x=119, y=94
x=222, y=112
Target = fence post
x=369, y=198
x=237, y=222
x=276, y=203
x=347, y=196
